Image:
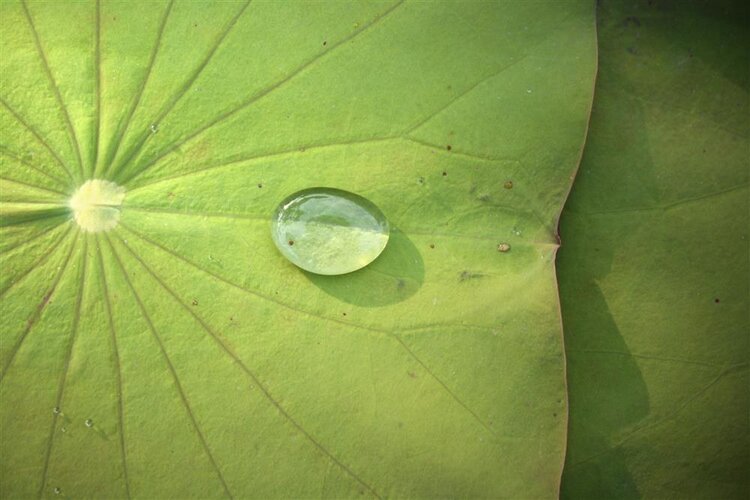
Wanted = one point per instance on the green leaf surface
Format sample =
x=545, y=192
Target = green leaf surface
x=179, y=354
x=654, y=267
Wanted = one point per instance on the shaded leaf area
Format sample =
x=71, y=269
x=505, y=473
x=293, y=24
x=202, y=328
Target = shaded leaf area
x=179, y=355
x=654, y=271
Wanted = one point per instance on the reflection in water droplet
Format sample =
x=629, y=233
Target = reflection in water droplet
x=63, y=429
x=57, y=491
x=329, y=231
x=56, y=410
x=154, y=128
x=89, y=422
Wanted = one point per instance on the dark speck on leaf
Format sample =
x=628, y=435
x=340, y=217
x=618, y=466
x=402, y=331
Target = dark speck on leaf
x=432, y=245
x=508, y=185
x=325, y=43
x=400, y=284
x=260, y=185
x=343, y=314
x=291, y=242
x=484, y=197
x=468, y=275
x=195, y=302
x=412, y=375
x=445, y=173
x=448, y=147
x=717, y=301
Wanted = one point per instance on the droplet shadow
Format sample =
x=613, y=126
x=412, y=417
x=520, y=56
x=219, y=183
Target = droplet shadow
x=394, y=276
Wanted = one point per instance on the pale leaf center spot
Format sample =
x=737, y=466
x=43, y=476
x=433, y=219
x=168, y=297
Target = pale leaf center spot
x=96, y=205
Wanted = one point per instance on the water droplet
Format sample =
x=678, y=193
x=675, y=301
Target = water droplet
x=329, y=231
x=89, y=422
x=503, y=247
x=63, y=429
x=528, y=91
x=154, y=128
x=508, y=185
x=57, y=491
x=56, y=410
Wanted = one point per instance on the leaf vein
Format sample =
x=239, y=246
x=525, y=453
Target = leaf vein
x=39, y=138
x=55, y=88
x=248, y=102
x=120, y=134
x=33, y=319
x=224, y=345
x=118, y=366
x=66, y=366
x=170, y=366
x=145, y=136
x=386, y=333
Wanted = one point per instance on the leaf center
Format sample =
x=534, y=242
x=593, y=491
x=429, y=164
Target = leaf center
x=96, y=205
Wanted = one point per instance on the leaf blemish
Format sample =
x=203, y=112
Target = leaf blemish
x=468, y=275
x=195, y=302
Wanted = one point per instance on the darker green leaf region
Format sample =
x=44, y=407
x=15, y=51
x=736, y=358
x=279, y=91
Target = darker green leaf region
x=44, y=216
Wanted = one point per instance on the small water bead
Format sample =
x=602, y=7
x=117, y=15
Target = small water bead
x=56, y=410
x=89, y=422
x=154, y=128
x=57, y=491
x=329, y=231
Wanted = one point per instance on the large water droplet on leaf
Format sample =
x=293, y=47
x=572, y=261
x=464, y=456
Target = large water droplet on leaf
x=329, y=231
x=96, y=205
